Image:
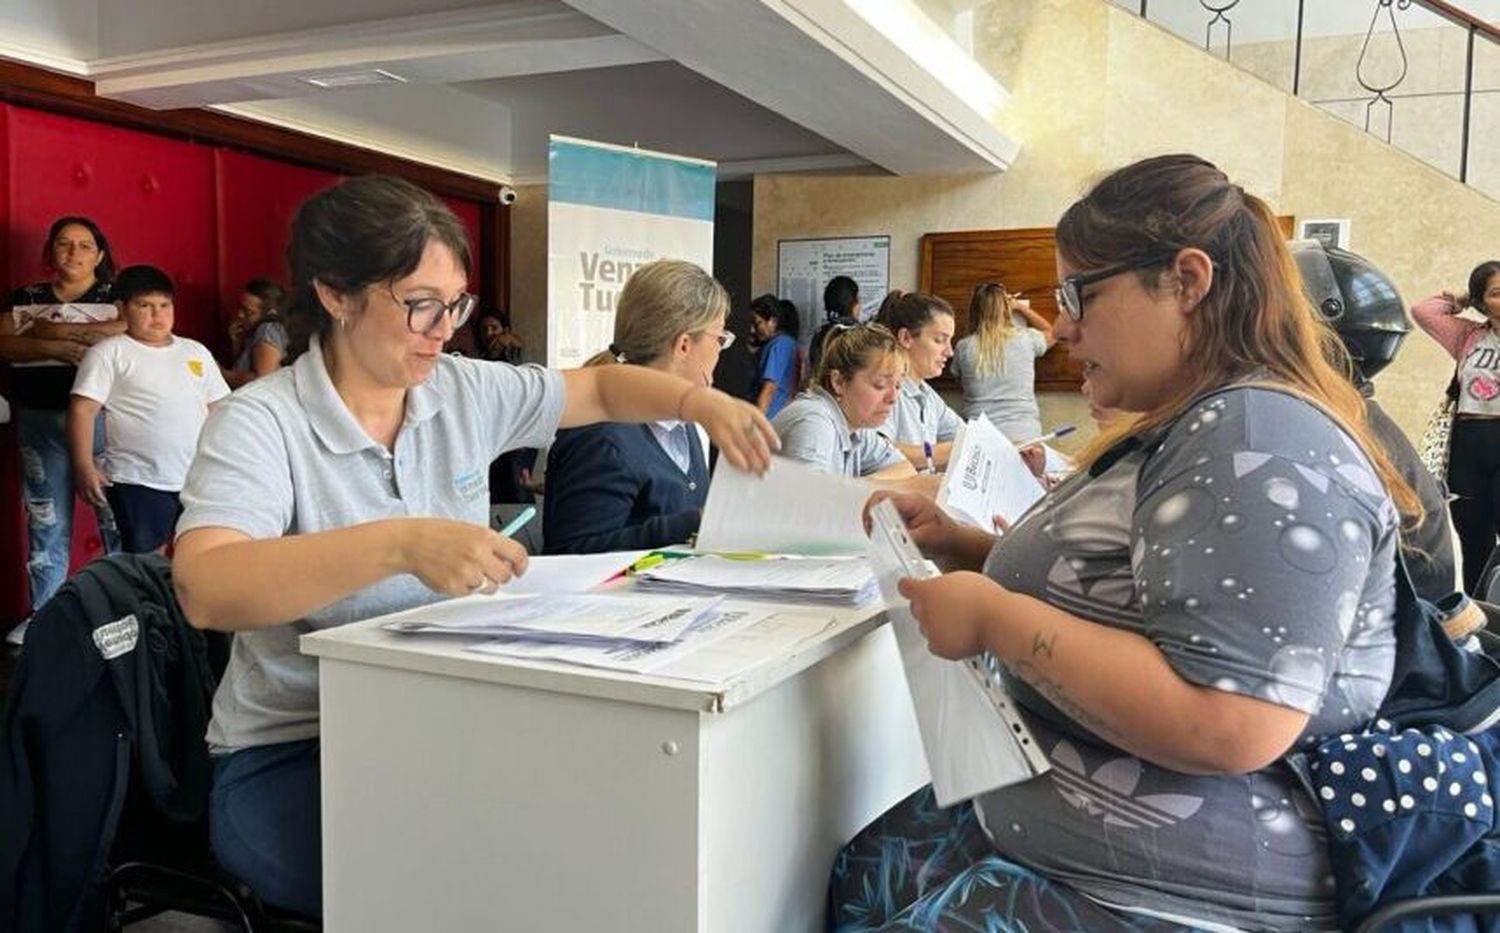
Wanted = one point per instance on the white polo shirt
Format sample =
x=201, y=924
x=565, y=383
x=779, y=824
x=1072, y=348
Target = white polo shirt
x=284, y=456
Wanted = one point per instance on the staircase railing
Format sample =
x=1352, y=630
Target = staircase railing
x=1424, y=75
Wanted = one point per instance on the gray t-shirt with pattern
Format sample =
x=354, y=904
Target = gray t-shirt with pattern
x=1255, y=547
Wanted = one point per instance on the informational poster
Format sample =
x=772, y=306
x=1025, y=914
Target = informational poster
x=803, y=268
x=612, y=209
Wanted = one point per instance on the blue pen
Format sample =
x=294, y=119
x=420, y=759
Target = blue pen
x=927, y=452
x=519, y=522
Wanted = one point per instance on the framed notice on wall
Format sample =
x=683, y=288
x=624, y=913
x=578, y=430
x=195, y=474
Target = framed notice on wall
x=803, y=267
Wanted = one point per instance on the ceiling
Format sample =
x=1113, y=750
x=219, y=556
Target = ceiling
x=478, y=85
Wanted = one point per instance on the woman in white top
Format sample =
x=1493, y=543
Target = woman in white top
x=996, y=363
x=921, y=424
x=353, y=483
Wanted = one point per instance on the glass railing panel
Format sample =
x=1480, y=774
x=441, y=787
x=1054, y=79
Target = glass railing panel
x=1257, y=35
x=1398, y=73
x=1484, y=118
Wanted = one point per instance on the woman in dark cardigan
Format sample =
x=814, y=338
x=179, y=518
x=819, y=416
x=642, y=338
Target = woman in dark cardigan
x=623, y=487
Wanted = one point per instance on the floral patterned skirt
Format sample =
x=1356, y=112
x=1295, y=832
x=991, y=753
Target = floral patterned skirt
x=922, y=867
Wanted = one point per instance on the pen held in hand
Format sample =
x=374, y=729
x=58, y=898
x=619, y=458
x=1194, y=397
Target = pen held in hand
x=1062, y=431
x=519, y=522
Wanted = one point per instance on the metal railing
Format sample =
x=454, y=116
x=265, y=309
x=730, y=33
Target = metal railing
x=1423, y=75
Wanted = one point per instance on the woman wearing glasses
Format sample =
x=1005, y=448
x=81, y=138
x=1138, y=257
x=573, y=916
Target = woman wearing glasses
x=996, y=362
x=353, y=483
x=1214, y=587
x=615, y=487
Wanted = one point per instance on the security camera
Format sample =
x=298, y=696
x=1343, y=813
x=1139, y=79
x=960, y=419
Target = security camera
x=507, y=194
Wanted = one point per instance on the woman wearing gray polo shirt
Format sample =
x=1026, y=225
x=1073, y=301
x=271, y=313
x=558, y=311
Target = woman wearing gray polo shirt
x=831, y=426
x=1213, y=588
x=921, y=424
x=354, y=483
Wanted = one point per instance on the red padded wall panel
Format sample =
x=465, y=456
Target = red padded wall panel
x=257, y=198
x=468, y=212
x=13, y=586
x=152, y=196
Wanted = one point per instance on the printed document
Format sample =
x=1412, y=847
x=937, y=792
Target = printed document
x=831, y=580
x=986, y=477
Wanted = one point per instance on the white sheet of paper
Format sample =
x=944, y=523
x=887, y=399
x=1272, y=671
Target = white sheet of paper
x=583, y=615
x=793, y=509
x=827, y=579
x=636, y=657
x=570, y=573
x=986, y=477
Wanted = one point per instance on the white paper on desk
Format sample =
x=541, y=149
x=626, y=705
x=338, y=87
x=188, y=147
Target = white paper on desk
x=570, y=573
x=845, y=580
x=971, y=746
x=587, y=617
x=986, y=477
x=637, y=657
x=793, y=509
x=724, y=659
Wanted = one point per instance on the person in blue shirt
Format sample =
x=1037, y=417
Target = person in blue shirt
x=774, y=323
x=613, y=487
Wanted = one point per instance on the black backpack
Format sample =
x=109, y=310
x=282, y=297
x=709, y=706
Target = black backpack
x=102, y=752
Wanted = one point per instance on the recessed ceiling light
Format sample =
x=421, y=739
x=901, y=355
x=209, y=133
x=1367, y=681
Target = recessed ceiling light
x=353, y=78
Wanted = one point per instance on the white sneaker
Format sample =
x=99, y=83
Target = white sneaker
x=17, y=635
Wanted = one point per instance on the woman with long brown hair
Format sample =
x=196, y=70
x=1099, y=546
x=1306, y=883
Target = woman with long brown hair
x=1213, y=588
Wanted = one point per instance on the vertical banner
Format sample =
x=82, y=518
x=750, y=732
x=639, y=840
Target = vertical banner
x=611, y=209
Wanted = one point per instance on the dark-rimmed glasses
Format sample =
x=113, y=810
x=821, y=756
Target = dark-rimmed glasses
x=425, y=314
x=1069, y=292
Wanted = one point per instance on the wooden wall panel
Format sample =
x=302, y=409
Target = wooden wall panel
x=1023, y=260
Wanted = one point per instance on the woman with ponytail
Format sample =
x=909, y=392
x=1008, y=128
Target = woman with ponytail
x=615, y=487
x=1214, y=588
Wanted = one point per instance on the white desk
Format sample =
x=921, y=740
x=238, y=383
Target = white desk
x=466, y=792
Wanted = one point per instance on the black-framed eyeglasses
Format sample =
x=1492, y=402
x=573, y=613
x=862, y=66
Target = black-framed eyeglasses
x=423, y=315
x=1069, y=292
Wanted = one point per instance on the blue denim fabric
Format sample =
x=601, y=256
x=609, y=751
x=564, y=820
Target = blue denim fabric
x=1410, y=813
x=265, y=822
x=47, y=491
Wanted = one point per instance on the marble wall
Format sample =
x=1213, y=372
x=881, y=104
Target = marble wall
x=1095, y=87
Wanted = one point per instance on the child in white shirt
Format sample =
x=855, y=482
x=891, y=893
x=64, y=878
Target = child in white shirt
x=155, y=389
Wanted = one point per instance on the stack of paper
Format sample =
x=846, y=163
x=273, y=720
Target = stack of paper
x=674, y=659
x=826, y=581
x=575, y=619
x=986, y=477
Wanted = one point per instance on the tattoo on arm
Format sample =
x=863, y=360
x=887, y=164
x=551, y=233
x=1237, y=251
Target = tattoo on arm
x=1054, y=694
x=1042, y=644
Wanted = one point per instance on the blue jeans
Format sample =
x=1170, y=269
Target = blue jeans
x=265, y=822
x=47, y=490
